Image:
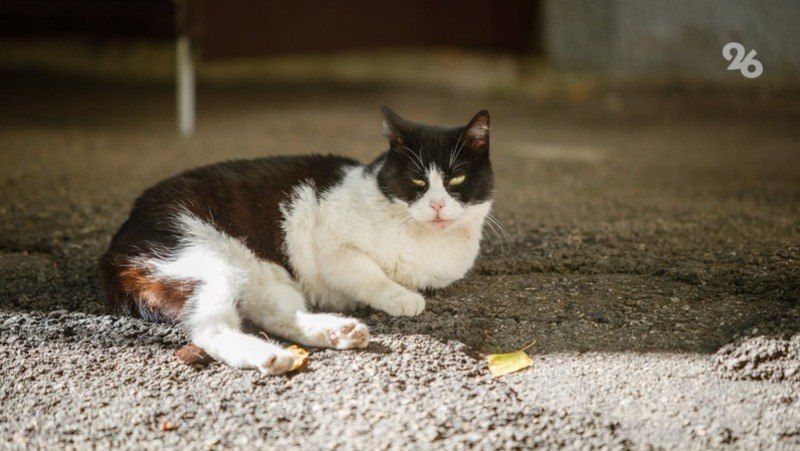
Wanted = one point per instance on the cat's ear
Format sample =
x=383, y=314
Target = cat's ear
x=476, y=133
x=394, y=126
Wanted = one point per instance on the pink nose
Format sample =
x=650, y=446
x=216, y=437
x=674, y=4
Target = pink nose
x=437, y=205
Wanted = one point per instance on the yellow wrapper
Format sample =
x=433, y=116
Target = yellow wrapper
x=502, y=364
x=300, y=356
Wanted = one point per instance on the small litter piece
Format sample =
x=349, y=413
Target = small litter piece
x=502, y=364
x=167, y=426
x=193, y=355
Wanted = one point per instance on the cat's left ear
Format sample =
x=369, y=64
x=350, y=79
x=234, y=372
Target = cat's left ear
x=476, y=133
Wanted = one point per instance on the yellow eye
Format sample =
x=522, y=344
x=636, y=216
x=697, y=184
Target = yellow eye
x=418, y=182
x=456, y=180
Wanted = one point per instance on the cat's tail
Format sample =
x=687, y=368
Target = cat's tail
x=133, y=288
x=194, y=278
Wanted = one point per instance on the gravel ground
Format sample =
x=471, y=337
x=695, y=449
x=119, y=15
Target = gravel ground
x=652, y=253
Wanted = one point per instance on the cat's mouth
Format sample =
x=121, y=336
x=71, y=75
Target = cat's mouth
x=440, y=223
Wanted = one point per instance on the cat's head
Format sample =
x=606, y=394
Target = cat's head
x=441, y=175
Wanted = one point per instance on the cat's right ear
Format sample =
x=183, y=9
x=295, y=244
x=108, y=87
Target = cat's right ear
x=477, y=132
x=394, y=126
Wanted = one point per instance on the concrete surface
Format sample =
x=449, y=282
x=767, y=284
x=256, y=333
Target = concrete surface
x=646, y=230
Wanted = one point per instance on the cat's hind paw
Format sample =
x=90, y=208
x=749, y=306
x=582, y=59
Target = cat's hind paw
x=274, y=363
x=241, y=350
x=351, y=334
x=327, y=330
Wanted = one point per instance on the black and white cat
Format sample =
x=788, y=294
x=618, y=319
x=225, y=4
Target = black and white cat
x=270, y=238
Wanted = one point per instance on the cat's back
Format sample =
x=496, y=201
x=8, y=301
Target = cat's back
x=239, y=197
x=269, y=179
x=260, y=176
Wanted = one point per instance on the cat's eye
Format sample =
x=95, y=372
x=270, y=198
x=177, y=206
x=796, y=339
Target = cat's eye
x=457, y=180
x=418, y=182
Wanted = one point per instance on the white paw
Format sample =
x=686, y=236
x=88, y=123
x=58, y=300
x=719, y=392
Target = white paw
x=351, y=334
x=406, y=304
x=273, y=361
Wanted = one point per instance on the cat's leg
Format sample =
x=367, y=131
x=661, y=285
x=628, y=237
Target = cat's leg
x=359, y=276
x=274, y=302
x=218, y=264
x=214, y=325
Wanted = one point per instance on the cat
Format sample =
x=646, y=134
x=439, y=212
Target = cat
x=268, y=239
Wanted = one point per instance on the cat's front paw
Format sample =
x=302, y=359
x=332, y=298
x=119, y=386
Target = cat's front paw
x=406, y=304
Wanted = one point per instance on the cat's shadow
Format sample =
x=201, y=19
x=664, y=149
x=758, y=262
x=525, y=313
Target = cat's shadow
x=486, y=313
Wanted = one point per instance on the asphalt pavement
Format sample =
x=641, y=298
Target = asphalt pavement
x=652, y=251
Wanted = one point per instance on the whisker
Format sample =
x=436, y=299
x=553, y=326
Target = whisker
x=419, y=156
x=502, y=227
x=506, y=234
x=458, y=152
x=410, y=154
x=497, y=236
x=491, y=227
x=452, y=153
x=502, y=233
x=416, y=155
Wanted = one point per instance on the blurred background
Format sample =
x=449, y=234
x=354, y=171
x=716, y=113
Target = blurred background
x=649, y=193
x=505, y=46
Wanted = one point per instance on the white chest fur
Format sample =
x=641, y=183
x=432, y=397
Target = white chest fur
x=418, y=257
x=356, y=216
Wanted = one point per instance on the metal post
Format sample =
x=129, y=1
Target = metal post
x=184, y=72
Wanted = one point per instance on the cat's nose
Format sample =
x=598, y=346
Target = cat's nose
x=437, y=205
